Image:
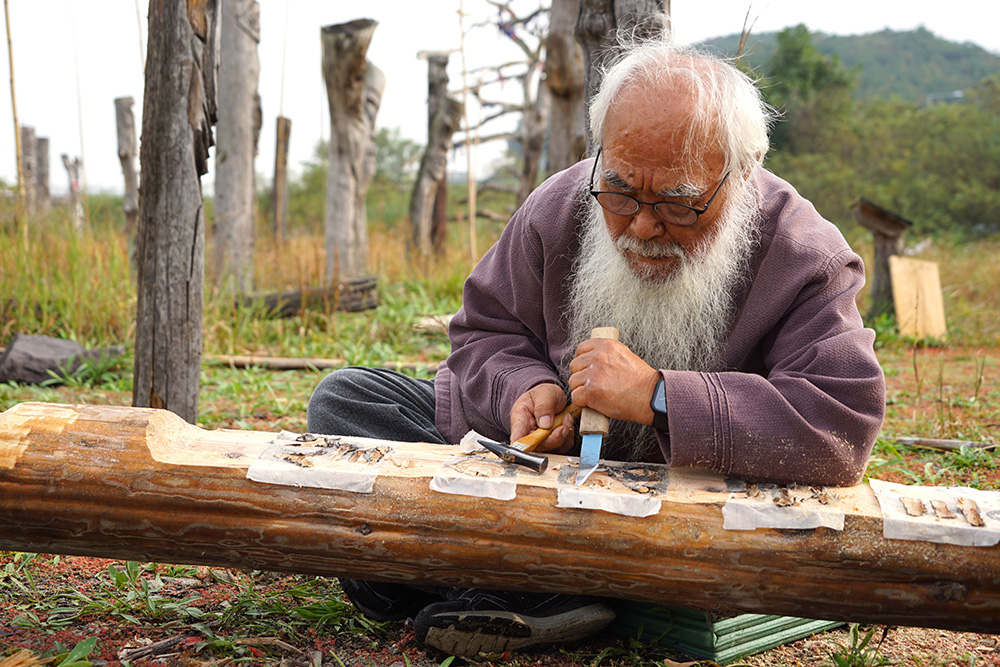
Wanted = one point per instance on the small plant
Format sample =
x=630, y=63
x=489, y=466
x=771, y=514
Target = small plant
x=860, y=652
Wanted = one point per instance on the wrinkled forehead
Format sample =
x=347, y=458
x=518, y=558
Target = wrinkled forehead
x=652, y=125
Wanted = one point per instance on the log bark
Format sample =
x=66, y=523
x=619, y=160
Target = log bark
x=29, y=147
x=444, y=118
x=74, y=168
x=140, y=484
x=280, y=190
x=564, y=77
x=43, y=193
x=233, y=222
x=19, y=206
x=534, y=123
x=125, y=124
x=596, y=26
x=349, y=296
x=178, y=113
x=353, y=93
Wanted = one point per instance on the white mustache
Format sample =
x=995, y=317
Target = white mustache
x=649, y=249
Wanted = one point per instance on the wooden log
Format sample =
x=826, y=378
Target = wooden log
x=596, y=25
x=444, y=118
x=233, y=219
x=43, y=194
x=74, y=169
x=351, y=296
x=564, y=74
x=351, y=85
x=179, y=107
x=29, y=147
x=888, y=230
x=141, y=484
x=306, y=363
x=280, y=190
x=125, y=126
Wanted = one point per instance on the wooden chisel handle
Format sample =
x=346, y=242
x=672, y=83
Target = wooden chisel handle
x=593, y=421
x=529, y=442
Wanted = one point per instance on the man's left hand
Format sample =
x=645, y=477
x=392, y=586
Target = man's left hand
x=610, y=378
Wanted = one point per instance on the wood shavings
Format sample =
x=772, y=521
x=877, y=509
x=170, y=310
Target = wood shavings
x=301, y=460
x=970, y=509
x=783, y=498
x=478, y=467
x=941, y=509
x=405, y=463
x=913, y=506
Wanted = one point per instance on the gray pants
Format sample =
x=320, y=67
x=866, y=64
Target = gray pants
x=374, y=403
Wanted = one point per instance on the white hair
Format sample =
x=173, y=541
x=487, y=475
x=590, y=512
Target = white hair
x=728, y=110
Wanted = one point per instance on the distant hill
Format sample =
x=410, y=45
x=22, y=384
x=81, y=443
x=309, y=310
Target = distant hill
x=911, y=64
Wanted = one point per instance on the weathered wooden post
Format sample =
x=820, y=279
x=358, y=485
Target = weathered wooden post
x=177, y=116
x=43, y=195
x=125, y=124
x=29, y=167
x=284, y=132
x=73, y=168
x=444, y=114
x=19, y=205
x=354, y=90
x=596, y=26
x=564, y=75
x=239, y=70
x=888, y=229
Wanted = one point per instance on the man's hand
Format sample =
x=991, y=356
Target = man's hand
x=536, y=408
x=610, y=378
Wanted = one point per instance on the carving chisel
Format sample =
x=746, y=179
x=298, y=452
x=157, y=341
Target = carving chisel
x=593, y=425
x=519, y=452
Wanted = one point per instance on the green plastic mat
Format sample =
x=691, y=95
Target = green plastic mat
x=704, y=635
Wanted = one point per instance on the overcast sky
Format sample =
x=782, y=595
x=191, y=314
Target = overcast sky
x=72, y=59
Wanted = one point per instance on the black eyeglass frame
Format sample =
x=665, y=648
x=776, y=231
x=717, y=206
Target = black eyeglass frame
x=638, y=202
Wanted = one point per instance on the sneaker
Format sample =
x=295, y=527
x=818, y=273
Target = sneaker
x=382, y=601
x=498, y=621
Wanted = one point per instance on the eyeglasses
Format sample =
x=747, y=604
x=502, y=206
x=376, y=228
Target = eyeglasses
x=671, y=212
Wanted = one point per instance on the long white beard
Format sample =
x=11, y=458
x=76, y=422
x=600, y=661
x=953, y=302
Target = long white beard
x=676, y=322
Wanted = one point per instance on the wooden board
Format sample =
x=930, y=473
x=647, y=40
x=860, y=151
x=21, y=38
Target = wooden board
x=142, y=484
x=916, y=293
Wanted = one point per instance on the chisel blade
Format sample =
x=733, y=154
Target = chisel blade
x=593, y=425
x=590, y=454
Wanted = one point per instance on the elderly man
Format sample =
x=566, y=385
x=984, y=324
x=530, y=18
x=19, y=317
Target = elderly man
x=741, y=349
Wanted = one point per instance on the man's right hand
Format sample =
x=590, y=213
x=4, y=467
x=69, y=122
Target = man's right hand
x=536, y=408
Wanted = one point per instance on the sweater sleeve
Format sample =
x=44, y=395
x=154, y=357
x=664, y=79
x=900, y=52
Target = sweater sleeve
x=508, y=335
x=812, y=416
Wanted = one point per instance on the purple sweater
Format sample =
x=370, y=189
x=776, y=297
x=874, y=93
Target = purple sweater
x=803, y=396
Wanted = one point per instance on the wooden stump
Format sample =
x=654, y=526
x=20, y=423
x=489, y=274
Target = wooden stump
x=888, y=230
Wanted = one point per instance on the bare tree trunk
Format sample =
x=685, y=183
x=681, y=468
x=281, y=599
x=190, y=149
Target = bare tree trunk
x=19, y=206
x=534, y=122
x=29, y=169
x=439, y=218
x=239, y=71
x=444, y=115
x=564, y=77
x=43, y=195
x=345, y=71
x=125, y=122
x=595, y=30
x=178, y=113
x=73, y=169
x=280, y=193
x=374, y=87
